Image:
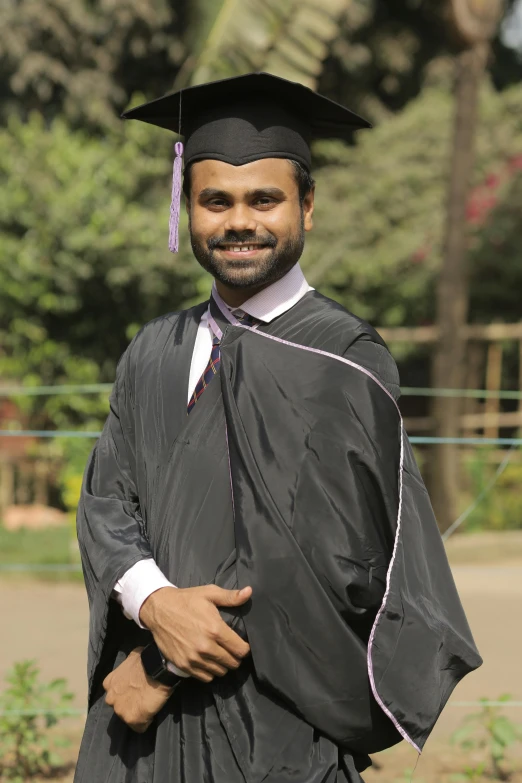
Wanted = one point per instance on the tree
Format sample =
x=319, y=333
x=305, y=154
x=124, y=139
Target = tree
x=83, y=254
x=86, y=220
x=85, y=59
x=83, y=215
x=473, y=25
x=377, y=242
x=384, y=52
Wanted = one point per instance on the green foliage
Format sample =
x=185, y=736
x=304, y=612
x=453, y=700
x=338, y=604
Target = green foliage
x=379, y=216
x=286, y=37
x=501, y=508
x=25, y=748
x=74, y=454
x=386, y=51
x=491, y=734
x=469, y=773
x=86, y=220
x=84, y=59
x=83, y=218
x=496, y=253
x=371, y=55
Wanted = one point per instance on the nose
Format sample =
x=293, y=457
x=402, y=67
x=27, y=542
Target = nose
x=240, y=218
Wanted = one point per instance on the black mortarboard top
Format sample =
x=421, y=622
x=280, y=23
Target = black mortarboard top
x=243, y=119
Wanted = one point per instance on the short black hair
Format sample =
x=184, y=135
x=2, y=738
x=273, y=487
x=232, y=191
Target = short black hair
x=305, y=181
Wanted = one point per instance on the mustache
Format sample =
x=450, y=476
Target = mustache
x=241, y=238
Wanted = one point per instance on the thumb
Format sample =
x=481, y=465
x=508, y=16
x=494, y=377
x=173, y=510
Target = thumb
x=221, y=597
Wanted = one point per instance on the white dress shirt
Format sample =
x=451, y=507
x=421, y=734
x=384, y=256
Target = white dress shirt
x=144, y=578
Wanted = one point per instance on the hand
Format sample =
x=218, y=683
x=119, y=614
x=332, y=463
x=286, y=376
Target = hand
x=136, y=698
x=189, y=631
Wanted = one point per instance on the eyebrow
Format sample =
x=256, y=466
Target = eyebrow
x=208, y=193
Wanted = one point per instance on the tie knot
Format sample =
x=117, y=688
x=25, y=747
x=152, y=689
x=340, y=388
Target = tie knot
x=245, y=318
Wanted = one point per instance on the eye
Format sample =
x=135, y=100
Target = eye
x=217, y=204
x=265, y=202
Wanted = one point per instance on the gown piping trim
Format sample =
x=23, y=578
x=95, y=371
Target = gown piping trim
x=219, y=334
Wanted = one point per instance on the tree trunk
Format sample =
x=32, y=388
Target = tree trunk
x=452, y=290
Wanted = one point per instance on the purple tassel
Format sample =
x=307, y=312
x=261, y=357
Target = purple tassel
x=175, y=204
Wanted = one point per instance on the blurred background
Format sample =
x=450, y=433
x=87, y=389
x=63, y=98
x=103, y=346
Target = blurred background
x=418, y=229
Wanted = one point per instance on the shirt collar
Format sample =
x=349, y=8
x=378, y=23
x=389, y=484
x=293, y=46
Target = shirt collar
x=277, y=298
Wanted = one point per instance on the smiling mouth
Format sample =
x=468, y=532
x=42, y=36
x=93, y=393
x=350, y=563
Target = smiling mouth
x=241, y=248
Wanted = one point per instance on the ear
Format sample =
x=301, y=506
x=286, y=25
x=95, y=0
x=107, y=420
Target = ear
x=308, y=209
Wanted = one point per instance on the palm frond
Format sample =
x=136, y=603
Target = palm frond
x=289, y=38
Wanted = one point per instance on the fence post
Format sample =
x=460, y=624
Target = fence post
x=474, y=380
x=520, y=382
x=493, y=384
x=6, y=486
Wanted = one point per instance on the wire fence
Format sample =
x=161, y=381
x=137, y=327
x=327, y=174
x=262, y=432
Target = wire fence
x=406, y=391
x=71, y=389
x=419, y=440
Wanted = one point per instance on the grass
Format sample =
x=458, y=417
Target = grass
x=51, y=546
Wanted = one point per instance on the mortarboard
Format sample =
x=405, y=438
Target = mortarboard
x=243, y=119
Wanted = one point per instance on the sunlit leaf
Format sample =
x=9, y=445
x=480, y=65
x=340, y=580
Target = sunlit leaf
x=289, y=38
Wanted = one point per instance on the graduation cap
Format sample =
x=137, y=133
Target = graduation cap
x=243, y=119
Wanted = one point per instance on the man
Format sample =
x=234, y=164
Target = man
x=253, y=503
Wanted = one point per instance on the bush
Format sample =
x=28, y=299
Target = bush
x=28, y=709
x=501, y=508
x=491, y=734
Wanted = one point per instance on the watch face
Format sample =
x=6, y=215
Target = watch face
x=153, y=661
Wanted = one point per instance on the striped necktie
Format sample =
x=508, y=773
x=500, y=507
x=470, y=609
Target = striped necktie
x=213, y=363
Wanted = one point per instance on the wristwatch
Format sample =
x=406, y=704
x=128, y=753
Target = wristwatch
x=155, y=665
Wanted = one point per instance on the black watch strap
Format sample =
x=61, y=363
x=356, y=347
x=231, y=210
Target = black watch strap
x=155, y=666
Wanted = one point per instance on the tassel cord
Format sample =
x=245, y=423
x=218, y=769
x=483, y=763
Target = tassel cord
x=175, y=203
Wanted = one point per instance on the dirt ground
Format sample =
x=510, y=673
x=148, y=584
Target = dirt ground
x=49, y=621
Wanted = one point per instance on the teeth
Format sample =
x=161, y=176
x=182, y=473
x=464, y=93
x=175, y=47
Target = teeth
x=240, y=248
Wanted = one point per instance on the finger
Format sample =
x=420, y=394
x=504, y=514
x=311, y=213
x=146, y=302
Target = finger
x=201, y=674
x=223, y=658
x=212, y=667
x=107, y=682
x=139, y=728
x=109, y=699
x=221, y=597
x=232, y=643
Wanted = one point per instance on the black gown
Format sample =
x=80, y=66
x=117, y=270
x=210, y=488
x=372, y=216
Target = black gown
x=292, y=474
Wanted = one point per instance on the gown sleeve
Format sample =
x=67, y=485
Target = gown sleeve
x=110, y=527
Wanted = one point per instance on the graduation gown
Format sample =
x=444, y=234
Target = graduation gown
x=292, y=474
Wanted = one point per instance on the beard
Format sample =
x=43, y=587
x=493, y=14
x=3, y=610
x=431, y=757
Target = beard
x=276, y=258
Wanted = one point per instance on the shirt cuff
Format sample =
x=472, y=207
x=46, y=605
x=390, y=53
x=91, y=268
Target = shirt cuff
x=136, y=585
x=133, y=589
